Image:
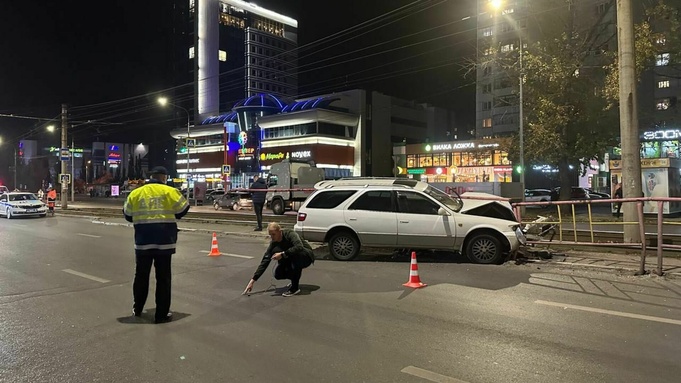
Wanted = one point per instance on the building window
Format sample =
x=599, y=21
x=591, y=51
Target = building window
x=508, y=11
x=486, y=88
x=486, y=71
x=191, y=52
x=601, y=8
x=662, y=59
x=488, y=51
x=661, y=40
x=487, y=123
x=487, y=105
x=663, y=104
x=222, y=55
x=487, y=32
x=663, y=84
x=507, y=48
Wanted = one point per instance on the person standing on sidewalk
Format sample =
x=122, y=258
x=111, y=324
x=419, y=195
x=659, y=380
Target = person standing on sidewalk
x=618, y=195
x=292, y=253
x=153, y=209
x=258, y=199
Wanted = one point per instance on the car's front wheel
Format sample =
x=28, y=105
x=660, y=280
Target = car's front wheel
x=235, y=206
x=484, y=248
x=216, y=206
x=344, y=246
x=8, y=213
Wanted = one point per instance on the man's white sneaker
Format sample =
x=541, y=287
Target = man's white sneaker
x=290, y=293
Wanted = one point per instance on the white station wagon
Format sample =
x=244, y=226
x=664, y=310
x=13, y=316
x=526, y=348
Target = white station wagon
x=403, y=213
x=14, y=204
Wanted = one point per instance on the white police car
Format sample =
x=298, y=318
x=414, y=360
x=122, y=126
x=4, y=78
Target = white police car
x=14, y=204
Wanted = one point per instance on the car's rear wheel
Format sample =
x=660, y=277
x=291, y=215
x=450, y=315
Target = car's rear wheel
x=484, y=248
x=278, y=206
x=344, y=246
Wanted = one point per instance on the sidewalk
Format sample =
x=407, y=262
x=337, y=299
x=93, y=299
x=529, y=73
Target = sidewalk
x=628, y=262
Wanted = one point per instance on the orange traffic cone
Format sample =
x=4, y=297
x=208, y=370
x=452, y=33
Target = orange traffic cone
x=214, y=252
x=414, y=280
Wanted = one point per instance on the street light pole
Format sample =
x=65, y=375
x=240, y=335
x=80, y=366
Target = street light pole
x=64, y=144
x=520, y=117
x=163, y=101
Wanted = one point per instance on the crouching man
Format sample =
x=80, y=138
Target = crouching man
x=292, y=253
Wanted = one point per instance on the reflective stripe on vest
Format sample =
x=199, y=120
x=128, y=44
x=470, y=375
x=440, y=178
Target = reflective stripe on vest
x=154, y=203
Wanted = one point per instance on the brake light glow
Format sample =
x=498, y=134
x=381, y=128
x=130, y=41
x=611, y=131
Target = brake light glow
x=301, y=217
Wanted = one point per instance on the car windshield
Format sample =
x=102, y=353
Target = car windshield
x=440, y=196
x=23, y=197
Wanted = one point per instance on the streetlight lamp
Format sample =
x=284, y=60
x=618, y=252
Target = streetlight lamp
x=163, y=101
x=497, y=5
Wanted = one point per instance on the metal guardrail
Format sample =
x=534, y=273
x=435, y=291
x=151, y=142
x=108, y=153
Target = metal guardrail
x=659, y=223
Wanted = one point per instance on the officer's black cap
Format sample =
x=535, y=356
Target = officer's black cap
x=159, y=170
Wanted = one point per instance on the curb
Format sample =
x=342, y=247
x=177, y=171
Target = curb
x=601, y=267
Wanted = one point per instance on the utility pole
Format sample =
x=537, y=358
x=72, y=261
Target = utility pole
x=64, y=144
x=15, y=167
x=631, y=155
x=73, y=172
x=521, y=124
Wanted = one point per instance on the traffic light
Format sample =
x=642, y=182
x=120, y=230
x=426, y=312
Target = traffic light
x=180, y=146
x=518, y=169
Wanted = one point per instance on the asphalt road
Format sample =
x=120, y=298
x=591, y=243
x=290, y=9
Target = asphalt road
x=65, y=299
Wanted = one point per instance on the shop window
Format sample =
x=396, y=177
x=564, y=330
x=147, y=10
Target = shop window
x=485, y=158
x=411, y=161
x=425, y=160
x=456, y=159
x=441, y=159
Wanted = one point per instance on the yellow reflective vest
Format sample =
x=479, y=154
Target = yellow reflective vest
x=153, y=209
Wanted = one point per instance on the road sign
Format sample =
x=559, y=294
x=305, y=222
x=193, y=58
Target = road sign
x=65, y=154
x=65, y=178
x=226, y=170
x=191, y=142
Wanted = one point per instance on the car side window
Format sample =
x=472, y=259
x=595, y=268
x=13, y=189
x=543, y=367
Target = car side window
x=374, y=200
x=330, y=199
x=414, y=203
x=3, y=198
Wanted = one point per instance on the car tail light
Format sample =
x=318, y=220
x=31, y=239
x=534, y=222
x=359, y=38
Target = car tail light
x=301, y=217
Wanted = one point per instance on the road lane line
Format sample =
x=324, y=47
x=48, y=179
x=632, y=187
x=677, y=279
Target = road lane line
x=89, y=235
x=90, y=277
x=429, y=375
x=229, y=255
x=610, y=312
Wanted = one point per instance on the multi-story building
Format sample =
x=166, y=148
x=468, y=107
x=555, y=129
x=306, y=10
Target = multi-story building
x=522, y=22
x=233, y=49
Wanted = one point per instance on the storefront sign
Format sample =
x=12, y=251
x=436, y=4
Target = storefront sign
x=272, y=156
x=115, y=156
x=669, y=134
x=303, y=154
x=245, y=154
x=416, y=171
x=453, y=146
x=191, y=161
x=655, y=163
x=72, y=150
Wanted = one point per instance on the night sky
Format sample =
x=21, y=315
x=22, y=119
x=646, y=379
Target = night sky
x=83, y=52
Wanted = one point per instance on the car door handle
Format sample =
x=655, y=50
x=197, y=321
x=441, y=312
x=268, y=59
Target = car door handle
x=352, y=219
x=404, y=221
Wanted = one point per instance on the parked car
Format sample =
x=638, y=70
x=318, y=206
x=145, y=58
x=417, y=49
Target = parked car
x=233, y=199
x=537, y=195
x=14, y=204
x=597, y=195
x=213, y=195
x=576, y=193
x=401, y=213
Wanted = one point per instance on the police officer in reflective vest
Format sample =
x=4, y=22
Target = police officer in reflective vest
x=153, y=210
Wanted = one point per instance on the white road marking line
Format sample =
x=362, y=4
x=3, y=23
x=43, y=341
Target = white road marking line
x=91, y=277
x=610, y=312
x=89, y=235
x=429, y=375
x=229, y=255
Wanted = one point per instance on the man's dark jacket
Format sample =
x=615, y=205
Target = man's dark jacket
x=293, y=247
x=258, y=197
